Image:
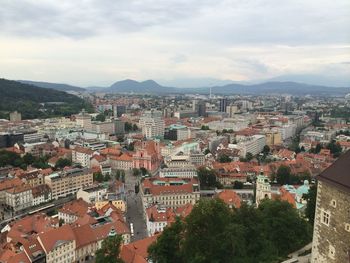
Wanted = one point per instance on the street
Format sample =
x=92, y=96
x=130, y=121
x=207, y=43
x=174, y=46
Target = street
x=134, y=208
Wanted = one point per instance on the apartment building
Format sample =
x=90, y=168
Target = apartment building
x=179, y=172
x=69, y=182
x=19, y=197
x=152, y=124
x=254, y=144
x=169, y=192
x=82, y=156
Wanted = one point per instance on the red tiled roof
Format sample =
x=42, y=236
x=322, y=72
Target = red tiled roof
x=136, y=252
x=54, y=237
x=77, y=207
x=230, y=197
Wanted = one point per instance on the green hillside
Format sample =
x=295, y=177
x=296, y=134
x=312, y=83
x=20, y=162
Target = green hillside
x=34, y=102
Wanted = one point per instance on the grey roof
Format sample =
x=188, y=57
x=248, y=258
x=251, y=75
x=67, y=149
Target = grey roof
x=338, y=174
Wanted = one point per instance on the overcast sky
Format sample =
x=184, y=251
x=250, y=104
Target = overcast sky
x=180, y=42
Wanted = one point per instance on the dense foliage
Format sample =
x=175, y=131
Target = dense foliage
x=213, y=233
x=34, y=102
x=13, y=159
x=284, y=176
x=207, y=178
x=110, y=250
x=311, y=197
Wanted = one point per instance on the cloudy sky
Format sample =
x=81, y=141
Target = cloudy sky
x=177, y=42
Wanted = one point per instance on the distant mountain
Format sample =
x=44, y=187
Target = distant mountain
x=313, y=79
x=56, y=86
x=147, y=86
x=36, y=102
x=273, y=87
x=287, y=87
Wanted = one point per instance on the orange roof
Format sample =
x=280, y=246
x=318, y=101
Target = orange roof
x=84, y=235
x=184, y=211
x=27, y=227
x=19, y=258
x=19, y=189
x=287, y=196
x=155, y=215
x=110, y=151
x=136, y=252
x=83, y=150
x=230, y=197
x=77, y=207
x=53, y=238
x=10, y=183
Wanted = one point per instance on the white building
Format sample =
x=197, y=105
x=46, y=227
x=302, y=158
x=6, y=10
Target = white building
x=178, y=172
x=92, y=194
x=82, y=156
x=152, y=124
x=157, y=218
x=19, y=198
x=253, y=144
x=41, y=194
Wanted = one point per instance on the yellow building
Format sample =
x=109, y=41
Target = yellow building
x=120, y=204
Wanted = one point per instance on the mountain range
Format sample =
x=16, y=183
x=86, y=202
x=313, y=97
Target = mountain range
x=56, y=86
x=36, y=102
x=152, y=87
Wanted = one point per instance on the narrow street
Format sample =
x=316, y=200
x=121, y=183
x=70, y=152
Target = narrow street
x=134, y=208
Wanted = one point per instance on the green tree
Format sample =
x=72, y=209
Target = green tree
x=310, y=197
x=207, y=232
x=249, y=156
x=266, y=150
x=110, y=250
x=283, y=226
x=101, y=117
x=134, y=127
x=28, y=158
x=98, y=177
x=283, y=175
x=167, y=247
x=334, y=148
x=207, y=178
x=237, y=185
x=223, y=158
x=63, y=162
x=136, y=172
x=206, y=151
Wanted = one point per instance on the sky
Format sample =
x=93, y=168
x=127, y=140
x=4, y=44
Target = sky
x=175, y=42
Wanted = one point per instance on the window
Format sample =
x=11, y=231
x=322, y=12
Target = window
x=325, y=217
x=347, y=227
x=331, y=252
x=334, y=203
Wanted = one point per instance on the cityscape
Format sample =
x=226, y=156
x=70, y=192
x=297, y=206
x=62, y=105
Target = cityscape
x=174, y=132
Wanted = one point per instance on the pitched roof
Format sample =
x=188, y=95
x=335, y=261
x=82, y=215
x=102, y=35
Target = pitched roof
x=136, y=252
x=230, y=197
x=338, y=174
x=77, y=207
x=55, y=237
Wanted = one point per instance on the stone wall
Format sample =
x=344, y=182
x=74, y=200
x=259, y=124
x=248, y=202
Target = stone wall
x=331, y=243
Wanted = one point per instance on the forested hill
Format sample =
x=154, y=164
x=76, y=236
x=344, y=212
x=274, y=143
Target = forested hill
x=35, y=102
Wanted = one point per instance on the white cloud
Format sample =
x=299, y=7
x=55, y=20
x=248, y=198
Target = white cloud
x=96, y=42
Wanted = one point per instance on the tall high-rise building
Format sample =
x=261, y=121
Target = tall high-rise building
x=223, y=105
x=118, y=110
x=202, y=111
x=231, y=110
x=152, y=124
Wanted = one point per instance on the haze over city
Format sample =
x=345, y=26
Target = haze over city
x=182, y=43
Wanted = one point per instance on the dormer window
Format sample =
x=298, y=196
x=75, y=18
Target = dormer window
x=334, y=203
